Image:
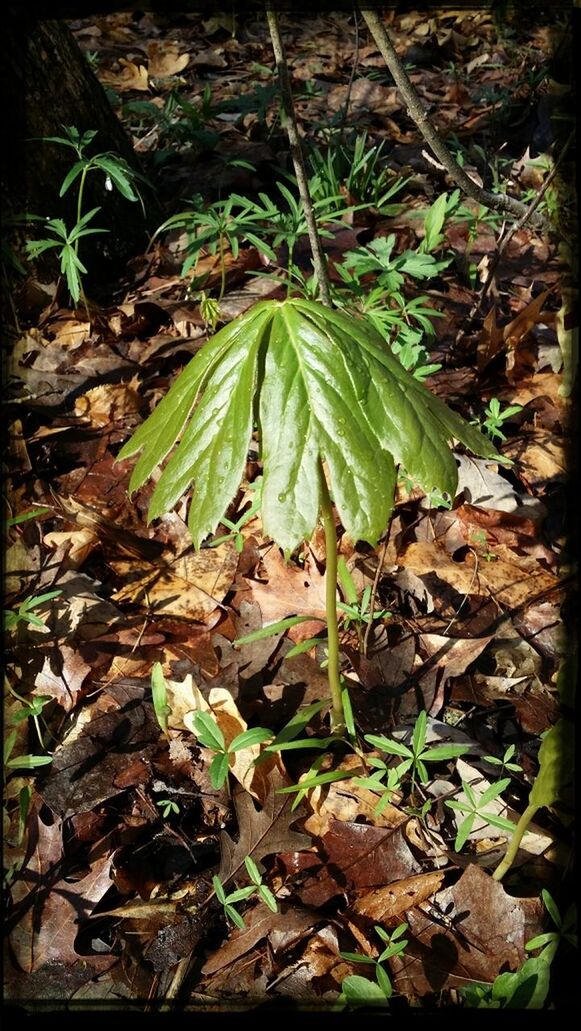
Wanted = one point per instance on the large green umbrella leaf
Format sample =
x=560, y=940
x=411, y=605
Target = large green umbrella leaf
x=328, y=391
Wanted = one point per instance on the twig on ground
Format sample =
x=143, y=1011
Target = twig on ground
x=497, y=201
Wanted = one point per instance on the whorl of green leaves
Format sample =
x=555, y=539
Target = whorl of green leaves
x=321, y=385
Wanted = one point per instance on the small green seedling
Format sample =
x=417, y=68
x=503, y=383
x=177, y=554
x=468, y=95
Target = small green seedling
x=378, y=258
x=475, y=809
x=236, y=528
x=21, y=762
x=415, y=758
x=240, y=894
x=225, y=223
x=506, y=762
x=229, y=901
x=434, y=221
x=25, y=614
x=263, y=892
x=168, y=806
x=566, y=928
x=209, y=734
x=360, y=991
x=495, y=418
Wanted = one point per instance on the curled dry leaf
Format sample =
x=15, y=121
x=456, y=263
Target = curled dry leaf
x=165, y=60
x=128, y=76
x=387, y=904
x=72, y=547
x=70, y=332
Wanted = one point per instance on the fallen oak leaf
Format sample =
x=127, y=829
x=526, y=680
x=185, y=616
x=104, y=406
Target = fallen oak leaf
x=290, y=591
x=261, y=833
x=52, y=906
x=63, y=683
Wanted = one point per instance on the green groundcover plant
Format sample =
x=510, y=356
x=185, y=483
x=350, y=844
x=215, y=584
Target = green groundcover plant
x=335, y=413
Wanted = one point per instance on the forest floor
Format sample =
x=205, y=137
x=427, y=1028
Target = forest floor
x=113, y=827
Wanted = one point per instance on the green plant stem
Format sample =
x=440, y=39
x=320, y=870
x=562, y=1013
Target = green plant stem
x=76, y=243
x=80, y=203
x=328, y=519
x=515, y=841
x=319, y=263
x=222, y=270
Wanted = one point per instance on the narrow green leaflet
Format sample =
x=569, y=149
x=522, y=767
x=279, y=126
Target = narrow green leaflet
x=326, y=390
x=339, y=385
x=556, y=764
x=158, y=434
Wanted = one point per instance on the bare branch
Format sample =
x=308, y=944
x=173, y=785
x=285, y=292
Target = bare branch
x=497, y=201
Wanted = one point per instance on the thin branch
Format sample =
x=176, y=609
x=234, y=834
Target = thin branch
x=417, y=112
x=319, y=263
x=504, y=242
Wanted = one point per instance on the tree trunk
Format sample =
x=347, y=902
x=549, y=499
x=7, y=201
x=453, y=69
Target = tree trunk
x=49, y=84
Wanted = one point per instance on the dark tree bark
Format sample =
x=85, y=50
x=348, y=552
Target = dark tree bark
x=48, y=84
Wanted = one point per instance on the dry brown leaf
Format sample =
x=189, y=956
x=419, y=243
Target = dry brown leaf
x=390, y=903
x=510, y=579
x=62, y=677
x=70, y=332
x=85, y=767
x=540, y=457
x=290, y=591
x=357, y=855
x=54, y=906
x=165, y=60
x=283, y=929
x=488, y=937
x=365, y=96
x=108, y=402
x=191, y=585
x=522, y=323
x=72, y=547
x=130, y=76
x=453, y=654
x=261, y=833
x=491, y=341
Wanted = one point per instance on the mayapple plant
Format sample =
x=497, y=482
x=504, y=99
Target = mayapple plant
x=335, y=413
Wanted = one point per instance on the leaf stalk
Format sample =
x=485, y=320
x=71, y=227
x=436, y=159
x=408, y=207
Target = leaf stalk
x=328, y=520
